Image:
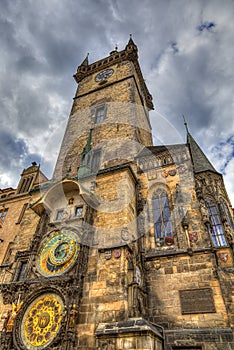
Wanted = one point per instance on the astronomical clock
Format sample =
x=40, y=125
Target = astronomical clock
x=51, y=299
x=40, y=321
x=58, y=253
x=45, y=302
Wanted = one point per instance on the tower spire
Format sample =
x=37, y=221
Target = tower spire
x=86, y=61
x=131, y=46
x=185, y=124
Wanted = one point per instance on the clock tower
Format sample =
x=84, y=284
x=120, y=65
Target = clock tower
x=129, y=245
x=110, y=109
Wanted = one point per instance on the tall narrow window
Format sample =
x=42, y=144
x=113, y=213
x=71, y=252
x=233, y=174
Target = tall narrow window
x=161, y=215
x=26, y=184
x=217, y=233
x=3, y=213
x=100, y=114
x=22, y=213
x=21, y=271
x=8, y=254
x=96, y=158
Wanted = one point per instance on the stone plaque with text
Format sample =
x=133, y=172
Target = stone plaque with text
x=195, y=301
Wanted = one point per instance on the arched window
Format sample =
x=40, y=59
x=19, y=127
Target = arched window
x=217, y=233
x=161, y=215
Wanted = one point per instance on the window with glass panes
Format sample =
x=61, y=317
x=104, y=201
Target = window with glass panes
x=79, y=211
x=96, y=158
x=59, y=214
x=161, y=214
x=100, y=114
x=217, y=233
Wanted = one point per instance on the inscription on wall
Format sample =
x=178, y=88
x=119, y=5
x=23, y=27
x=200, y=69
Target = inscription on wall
x=196, y=301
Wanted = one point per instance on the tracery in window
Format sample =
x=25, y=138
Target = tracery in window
x=217, y=233
x=161, y=216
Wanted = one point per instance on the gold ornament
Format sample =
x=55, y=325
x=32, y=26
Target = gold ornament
x=41, y=321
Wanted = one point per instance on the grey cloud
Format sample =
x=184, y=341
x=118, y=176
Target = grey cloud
x=188, y=70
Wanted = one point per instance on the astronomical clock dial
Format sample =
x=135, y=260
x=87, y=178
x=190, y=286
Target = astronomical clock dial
x=58, y=253
x=41, y=321
x=104, y=75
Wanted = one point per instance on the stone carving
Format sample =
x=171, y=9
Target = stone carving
x=204, y=211
x=11, y=315
x=229, y=234
x=73, y=314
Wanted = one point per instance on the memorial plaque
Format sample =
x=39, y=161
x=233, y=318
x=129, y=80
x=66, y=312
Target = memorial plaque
x=196, y=301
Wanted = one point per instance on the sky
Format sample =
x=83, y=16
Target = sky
x=186, y=53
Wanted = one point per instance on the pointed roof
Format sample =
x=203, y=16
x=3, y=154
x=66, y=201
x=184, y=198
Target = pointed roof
x=199, y=159
x=86, y=61
x=131, y=43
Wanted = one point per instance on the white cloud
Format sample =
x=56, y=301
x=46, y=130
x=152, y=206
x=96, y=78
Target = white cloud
x=187, y=71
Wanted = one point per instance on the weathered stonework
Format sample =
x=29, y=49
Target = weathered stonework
x=125, y=240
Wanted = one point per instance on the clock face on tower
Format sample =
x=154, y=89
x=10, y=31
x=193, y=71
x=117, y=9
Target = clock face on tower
x=41, y=321
x=104, y=75
x=58, y=253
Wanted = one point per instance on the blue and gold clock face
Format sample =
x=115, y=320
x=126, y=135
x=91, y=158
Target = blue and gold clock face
x=58, y=253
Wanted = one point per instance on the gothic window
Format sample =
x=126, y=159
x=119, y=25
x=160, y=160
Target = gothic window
x=3, y=213
x=59, y=214
x=217, y=233
x=100, y=114
x=161, y=215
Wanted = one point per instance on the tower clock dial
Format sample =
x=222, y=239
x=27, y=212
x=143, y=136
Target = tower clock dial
x=104, y=75
x=41, y=321
x=58, y=253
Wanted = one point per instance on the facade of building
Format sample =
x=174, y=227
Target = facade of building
x=129, y=245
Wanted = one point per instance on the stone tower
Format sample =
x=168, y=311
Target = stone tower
x=129, y=245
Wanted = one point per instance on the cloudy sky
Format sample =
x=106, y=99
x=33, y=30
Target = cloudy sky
x=186, y=53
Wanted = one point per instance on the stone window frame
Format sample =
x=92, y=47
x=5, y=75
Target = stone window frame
x=82, y=211
x=20, y=271
x=20, y=218
x=26, y=184
x=96, y=156
x=216, y=229
x=8, y=254
x=59, y=214
x=161, y=240
x=100, y=118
